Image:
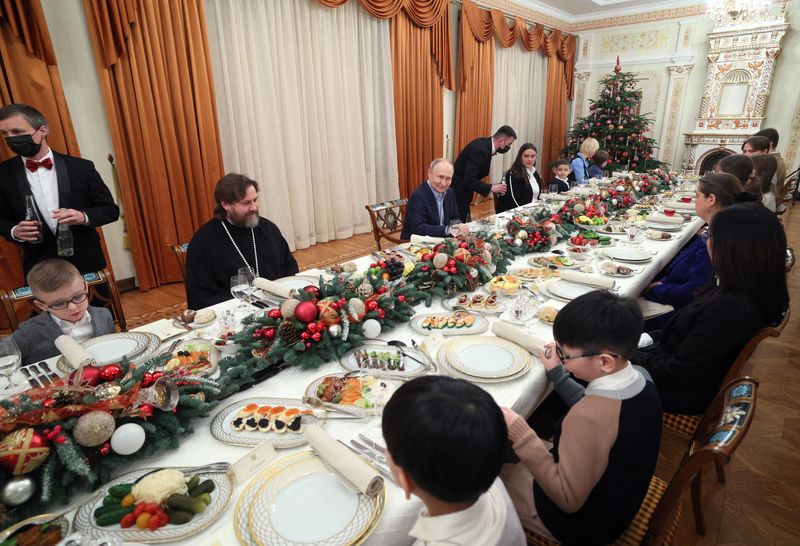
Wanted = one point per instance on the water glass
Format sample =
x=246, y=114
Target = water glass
x=240, y=289
x=10, y=359
x=249, y=275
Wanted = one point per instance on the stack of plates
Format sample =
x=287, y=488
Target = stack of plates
x=482, y=359
x=565, y=290
x=630, y=255
x=111, y=348
x=299, y=500
x=659, y=226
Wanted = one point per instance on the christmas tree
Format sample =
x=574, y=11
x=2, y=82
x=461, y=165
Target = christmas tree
x=617, y=126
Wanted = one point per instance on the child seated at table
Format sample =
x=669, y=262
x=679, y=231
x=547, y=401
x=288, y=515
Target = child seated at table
x=599, y=161
x=561, y=171
x=588, y=486
x=61, y=294
x=445, y=441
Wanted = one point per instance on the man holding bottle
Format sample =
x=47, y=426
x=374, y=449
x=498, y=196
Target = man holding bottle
x=47, y=198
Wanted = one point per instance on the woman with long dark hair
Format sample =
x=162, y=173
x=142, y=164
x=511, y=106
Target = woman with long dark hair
x=764, y=167
x=522, y=181
x=691, y=355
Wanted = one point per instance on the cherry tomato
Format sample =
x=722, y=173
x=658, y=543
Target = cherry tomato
x=127, y=520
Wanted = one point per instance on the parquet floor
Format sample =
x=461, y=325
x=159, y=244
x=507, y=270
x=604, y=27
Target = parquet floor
x=760, y=503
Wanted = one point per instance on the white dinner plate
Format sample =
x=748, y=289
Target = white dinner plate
x=480, y=325
x=658, y=226
x=624, y=254
x=298, y=282
x=567, y=290
x=222, y=428
x=110, y=348
x=487, y=357
x=446, y=369
x=277, y=506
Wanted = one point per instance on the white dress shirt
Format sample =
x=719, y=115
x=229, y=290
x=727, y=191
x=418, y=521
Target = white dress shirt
x=491, y=521
x=79, y=331
x=534, y=184
x=44, y=187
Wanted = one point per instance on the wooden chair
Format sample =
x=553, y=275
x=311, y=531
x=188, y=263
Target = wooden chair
x=180, y=253
x=387, y=220
x=789, y=259
x=721, y=431
x=685, y=425
x=103, y=291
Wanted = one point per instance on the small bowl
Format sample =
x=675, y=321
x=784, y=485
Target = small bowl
x=224, y=344
x=578, y=252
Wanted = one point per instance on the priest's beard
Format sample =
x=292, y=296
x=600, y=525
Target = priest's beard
x=248, y=220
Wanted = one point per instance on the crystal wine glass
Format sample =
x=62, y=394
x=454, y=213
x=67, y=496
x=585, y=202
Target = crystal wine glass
x=10, y=359
x=239, y=290
x=248, y=274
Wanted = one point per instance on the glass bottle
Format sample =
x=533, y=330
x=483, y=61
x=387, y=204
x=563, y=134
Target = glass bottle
x=64, y=240
x=32, y=214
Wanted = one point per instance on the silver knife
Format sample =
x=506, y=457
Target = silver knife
x=50, y=373
x=368, y=452
x=372, y=462
x=372, y=443
x=40, y=375
x=31, y=380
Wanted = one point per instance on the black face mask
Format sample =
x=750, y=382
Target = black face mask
x=503, y=150
x=23, y=145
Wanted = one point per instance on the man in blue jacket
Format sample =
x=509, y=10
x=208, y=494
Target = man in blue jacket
x=433, y=206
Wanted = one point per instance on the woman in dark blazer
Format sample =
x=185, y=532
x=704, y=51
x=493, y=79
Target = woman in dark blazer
x=522, y=180
x=691, y=355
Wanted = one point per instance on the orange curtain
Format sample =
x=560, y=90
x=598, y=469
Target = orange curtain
x=421, y=65
x=154, y=64
x=476, y=75
x=30, y=76
x=560, y=49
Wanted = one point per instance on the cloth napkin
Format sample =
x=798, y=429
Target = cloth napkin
x=425, y=239
x=587, y=279
x=163, y=328
x=651, y=309
x=344, y=462
x=519, y=335
x=73, y=352
x=273, y=287
x=662, y=219
x=679, y=205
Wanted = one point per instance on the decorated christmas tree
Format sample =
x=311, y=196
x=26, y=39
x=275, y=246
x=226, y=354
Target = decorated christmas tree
x=616, y=124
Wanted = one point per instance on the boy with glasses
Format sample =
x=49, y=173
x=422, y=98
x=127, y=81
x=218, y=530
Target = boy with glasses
x=588, y=486
x=61, y=294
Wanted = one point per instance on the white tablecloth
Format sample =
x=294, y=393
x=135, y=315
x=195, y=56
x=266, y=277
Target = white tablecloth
x=522, y=394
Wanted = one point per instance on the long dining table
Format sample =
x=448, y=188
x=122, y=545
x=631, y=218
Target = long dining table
x=522, y=395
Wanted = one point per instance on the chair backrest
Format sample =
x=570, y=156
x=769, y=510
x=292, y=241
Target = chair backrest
x=387, y=220
x=790, y=185
x=180, y=255
x=103, y=292
x=720, y=432
x=742, y=365
x=789, y=259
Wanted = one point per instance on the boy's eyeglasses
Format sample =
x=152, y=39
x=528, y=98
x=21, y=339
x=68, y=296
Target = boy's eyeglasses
x=563, y=358
x=62, y=304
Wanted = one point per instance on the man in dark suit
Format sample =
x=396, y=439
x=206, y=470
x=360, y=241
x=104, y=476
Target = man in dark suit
x=66, y=190
x=472, y=164
x=432, y=206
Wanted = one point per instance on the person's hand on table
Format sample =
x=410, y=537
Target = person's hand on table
x=70, y=217
x=26, y=230
x=499, y=188
x=652, y=285
x=549, y=357
x=510, y=416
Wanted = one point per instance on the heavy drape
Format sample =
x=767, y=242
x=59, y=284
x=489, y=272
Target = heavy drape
x=155, y=74
x=30, y=76
x=312, y=120
x=520, y=89
x=560, y=49
x=421, y=65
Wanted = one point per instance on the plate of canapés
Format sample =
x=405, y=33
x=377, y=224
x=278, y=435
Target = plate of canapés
x=253, y=421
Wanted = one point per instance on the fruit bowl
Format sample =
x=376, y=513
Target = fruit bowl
x=578, y=252
x=224, y=344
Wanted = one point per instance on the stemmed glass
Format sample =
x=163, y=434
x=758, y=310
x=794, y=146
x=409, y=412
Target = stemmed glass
x=10, y=359
x=240, y=288
x=248, y=274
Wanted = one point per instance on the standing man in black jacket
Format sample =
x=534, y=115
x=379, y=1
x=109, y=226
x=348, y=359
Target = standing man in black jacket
x=472, y=164
x=66, y=190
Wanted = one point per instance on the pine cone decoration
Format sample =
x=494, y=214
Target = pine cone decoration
x=452, y=288
x=288, y=334
x=350, y=285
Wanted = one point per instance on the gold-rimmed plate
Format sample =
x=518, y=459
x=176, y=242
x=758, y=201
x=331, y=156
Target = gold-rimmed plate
x=85, y=524
x=51, y=519
x=222, y=425
x=487, y=357
x=277, y=506
x=457, y=323
x=444, y=366
x=386, y=360
x=112, y=348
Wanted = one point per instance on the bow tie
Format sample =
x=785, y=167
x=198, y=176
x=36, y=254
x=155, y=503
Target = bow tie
x=33, y=165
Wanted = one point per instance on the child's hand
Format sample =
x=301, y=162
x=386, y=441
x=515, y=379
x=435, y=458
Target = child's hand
x=510, y=416
x=549, y=357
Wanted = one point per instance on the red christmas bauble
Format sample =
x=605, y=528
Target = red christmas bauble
x=146, y=410
x=110, y=372
x=269, y=333
x=105, y=449
x=23, y=451
x=401, y=298
x=274, y=313
x=372, y=305
x=91, y=376
x=147, y=379
x=317, y=336
x=305, y=311
x=311, y=289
